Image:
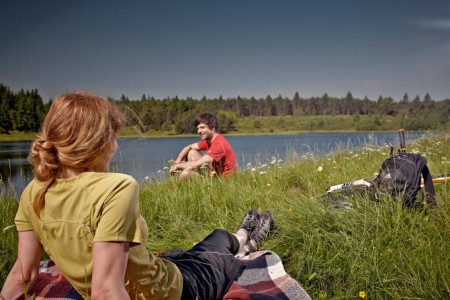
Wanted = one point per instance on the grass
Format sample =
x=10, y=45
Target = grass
x=8, y=235
x=376, y=250
x=16, y=136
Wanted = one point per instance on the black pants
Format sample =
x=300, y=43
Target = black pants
x=209, y=268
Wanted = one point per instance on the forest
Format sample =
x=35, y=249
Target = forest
x=24, y=110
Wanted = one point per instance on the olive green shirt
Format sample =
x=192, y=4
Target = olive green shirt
x=97, y=207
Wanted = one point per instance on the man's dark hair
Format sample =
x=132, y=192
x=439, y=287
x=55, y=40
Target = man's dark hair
x=208, y=119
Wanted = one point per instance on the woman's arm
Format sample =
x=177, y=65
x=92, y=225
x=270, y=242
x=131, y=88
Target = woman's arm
x=110, y=263
x=26, y=268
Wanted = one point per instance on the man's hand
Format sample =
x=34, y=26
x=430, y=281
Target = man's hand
x=173, y=168
x=179, y=167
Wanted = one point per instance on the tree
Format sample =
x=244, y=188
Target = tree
x=6, y=123
x=185, y=123
x=36, y=110
x=385, y=105
x=29, y=112
x=226, y=121
x=243, y=110
x=279, y=106
x=123, y=98
x=269, y=108
x=405, y=99
x=297, y=105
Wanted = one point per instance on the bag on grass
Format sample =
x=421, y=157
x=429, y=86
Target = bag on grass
x=400, y=175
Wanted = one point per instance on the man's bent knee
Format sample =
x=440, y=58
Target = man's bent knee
x=194, y=155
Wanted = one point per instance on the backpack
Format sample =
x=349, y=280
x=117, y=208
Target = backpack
x=400, y=175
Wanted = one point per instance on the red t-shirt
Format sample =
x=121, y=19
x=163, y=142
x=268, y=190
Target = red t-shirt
x=224, y=160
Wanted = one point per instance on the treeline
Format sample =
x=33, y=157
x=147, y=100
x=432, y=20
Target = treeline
x=21, y=111
x=24, y=110
x=177, y=115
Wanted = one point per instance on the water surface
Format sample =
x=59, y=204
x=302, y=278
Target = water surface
x=146, y=158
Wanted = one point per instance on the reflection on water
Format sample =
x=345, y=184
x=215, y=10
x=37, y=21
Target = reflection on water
x=146, y=158
x=15, y=172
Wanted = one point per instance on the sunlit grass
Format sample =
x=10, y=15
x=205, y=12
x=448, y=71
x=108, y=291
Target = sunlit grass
x=15, y=136
x=8, y=235
x=375, y=250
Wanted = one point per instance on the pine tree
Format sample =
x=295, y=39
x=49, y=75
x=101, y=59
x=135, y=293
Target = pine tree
x=5, y=119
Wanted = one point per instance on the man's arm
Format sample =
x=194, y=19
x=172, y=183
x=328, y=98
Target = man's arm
x=184, y=152
x=25, y=271
x=110, y=263
x=183, y=155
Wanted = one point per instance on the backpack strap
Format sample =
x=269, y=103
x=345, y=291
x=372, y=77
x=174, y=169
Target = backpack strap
x=430, y=194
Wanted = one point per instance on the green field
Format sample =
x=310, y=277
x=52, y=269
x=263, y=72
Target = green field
x=376, y=250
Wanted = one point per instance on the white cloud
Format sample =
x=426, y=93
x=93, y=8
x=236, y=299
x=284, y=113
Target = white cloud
x=443, y=24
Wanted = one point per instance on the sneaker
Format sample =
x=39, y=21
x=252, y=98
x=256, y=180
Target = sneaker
x=250, y=221
x=261, y=231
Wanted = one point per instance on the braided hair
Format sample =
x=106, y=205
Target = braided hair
x=78, y=131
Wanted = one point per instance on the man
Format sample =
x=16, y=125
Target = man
x=219, y=153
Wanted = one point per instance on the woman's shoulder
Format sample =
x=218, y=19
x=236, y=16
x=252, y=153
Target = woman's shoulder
x=109, y=177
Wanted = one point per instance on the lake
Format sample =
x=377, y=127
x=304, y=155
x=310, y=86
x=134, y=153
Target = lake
x=145, y=158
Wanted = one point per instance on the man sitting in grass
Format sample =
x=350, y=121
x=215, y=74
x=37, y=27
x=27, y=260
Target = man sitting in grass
x=219, y=153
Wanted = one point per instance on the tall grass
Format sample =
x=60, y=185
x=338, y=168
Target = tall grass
x=8, y=235
x=376, y=250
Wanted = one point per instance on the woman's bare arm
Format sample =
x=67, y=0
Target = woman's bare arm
x=110, y=263
x=26, y=268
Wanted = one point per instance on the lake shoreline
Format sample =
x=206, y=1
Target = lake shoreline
x=143, y=157
x=24, y=137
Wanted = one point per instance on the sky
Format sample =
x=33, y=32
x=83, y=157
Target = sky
x=227, y=48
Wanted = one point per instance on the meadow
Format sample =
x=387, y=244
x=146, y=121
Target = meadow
x=366, y=250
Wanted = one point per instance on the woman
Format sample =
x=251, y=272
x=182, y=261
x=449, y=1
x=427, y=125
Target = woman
x=89, y=222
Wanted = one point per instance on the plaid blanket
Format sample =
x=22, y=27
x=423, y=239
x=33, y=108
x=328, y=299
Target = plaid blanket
x=51, y=284
x=264, y=278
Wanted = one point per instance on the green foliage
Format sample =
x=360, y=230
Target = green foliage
x=8, y=235
x=23, y=111
x=257, y=124
x=185, y=123
x=227, y=121
x=368, y=115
